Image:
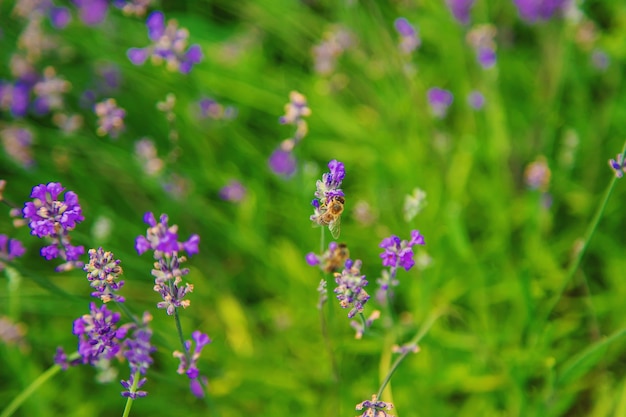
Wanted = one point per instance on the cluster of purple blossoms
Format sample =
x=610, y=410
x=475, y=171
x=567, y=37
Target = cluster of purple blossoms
x=103, y=272
x=137, y=351
x=9, y=250
x=618, y=165
x=49, y=216
x=409, y=38
x=14, y=97
x=163, y=240
x=351, y=288
x=374, y=408
x=49, y=92
x=59, y=16
x=327, y=189
x=397, y=254
x=439, y=101
x=110, y=118
x=169, y=46
x=92, y=12
x=281, y=161
x=460, y=10
x=133, y=7
x=189, y=362
x=234, y=191
x=532, y=11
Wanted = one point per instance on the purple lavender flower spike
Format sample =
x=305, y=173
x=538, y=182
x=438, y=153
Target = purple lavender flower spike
x=9, y=250
x=60, y=17
x=460, y=10
x=137, y=350
x=351, y=288
x=103, y=272
x=138, y=56
x=439, y=101
x=98, y=335
x=92, y=12
x=374, y=408
x=49, y=216
x=409, y=39
x=282, y=163
x=234, y=191
x=486, y=57
x=532, y=11
x=476, y=100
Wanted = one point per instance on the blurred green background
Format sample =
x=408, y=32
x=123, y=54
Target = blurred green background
x=498, y=253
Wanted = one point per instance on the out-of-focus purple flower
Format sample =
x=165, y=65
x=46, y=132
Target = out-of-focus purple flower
x=351, y=288
x=439, y=101
x=476, y=100
x=133, y=7
x=409, y=38
x=146, y=153
x=282, y=163
x=600, y=59
x=460, y=10
x=189, y=362
x=17, y=143
x=234, y=191
x=110, y=118
x=486, y=57
x=169, y=45
x=92, y=12
x=327, y=52
x=211, y=109
x=618, y=165
x=103, y=273
x=49, y=91
x=98, y=334
x=295, y=111
x=537, y=174
x=49, y=216
x=374, y=408
x=14, y=97
x=482, y=39
x=12, y=333
x=405, y=349
x=532, y=11
x=333, y=259
x=60, y=17
x=9, y=250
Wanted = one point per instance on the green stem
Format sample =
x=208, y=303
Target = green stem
x=34, y=386
x=579, y=255
x=179, y=329
x=422, y=332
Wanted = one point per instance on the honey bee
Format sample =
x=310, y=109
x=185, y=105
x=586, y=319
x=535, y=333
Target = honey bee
x=337, y=258
x=331, y=215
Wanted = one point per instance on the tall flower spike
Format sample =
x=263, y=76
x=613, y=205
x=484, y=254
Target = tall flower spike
x=50, y=216
x=169, y=45
x=167, y=271
x=103, y=272
x=329, y=202
x=98, y=335
x=351, y=288
x=137, y=350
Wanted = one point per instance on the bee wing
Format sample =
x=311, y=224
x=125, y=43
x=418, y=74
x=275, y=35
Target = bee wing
x=335, y=227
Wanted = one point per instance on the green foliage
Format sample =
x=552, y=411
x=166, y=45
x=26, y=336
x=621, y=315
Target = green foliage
x=508, y=342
